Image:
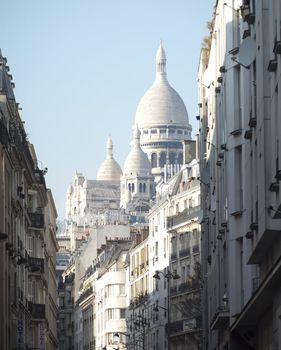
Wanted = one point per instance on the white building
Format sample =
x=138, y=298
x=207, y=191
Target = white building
x=163, y=120
x=240, y=145
x=174, y=243
x=97, y=211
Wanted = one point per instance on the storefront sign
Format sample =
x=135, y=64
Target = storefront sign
x=41, y=330
x=20, y=334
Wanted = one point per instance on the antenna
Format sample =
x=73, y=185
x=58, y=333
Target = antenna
x=247, y=52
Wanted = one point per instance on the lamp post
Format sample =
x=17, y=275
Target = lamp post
x=168, y=277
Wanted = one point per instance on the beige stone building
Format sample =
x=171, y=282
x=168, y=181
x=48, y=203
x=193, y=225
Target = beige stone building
x=27, y=226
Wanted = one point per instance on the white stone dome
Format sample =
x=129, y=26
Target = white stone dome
x=109, y=170
x=137, y=161
x=161, y=104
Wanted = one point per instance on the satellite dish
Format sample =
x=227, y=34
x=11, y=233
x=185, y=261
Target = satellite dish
x=247, y=52
x=207, y=78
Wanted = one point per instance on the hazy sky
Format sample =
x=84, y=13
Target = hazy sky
x=80, y=68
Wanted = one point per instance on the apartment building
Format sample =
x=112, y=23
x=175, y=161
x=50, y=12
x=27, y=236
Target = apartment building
x=239, y=100
x=27, y=226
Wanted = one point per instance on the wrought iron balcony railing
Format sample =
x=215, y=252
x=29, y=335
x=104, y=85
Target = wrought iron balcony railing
x=182, y=217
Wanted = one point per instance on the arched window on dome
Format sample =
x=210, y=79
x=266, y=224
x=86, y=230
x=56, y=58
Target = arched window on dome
x=144, y=188
x=180, y=158
x=133, y=187
x=162, y=160
x=153, y=160
x=140, y=187
x=129, y=187
x=172, y=158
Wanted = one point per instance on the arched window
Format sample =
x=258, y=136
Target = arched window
x=129, y=187
x=172, y=158
x=133, y=187
x=140, y=187
x=180, y=158
x=162, y=160
x=144, y=188
x=153, y=160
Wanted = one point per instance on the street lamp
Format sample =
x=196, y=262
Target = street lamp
x=168, y=277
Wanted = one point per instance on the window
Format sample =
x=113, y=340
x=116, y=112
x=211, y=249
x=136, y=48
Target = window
x=154, y=131
x=144, y=188
x=172, y=158
x=238, y=178
x=115, y=314
x=163, y=159
x=140, y=187
x=179, y=131
x=162, y=131
x=180, y=158
x=145, y=132
x=183, y=274
x=156, y=248
x=122, y=313
x=154, y=160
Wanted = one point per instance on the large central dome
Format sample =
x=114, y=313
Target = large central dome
x=161, y=104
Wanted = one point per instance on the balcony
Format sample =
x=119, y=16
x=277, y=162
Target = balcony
x=186, y=325
x=195, y=249
x=40, y=177
x=173, y=290
x=36, y=220
x=37, y=311
x=139, y=300
x=183, y=217
x=183, y=287
x=264, y=292
x=221, y=318
x=36, y=265
x=174, y=256
x=184, y=252
x=85, y=295
x=176, y=327
x=190, y=286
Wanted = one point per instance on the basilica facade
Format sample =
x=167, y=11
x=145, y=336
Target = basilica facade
x=161, y=126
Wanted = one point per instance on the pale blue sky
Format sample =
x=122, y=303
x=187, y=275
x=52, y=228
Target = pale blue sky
x=81, y=67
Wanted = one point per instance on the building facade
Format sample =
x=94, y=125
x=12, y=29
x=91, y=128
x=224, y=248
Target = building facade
x=240, y=130
x=28, y=245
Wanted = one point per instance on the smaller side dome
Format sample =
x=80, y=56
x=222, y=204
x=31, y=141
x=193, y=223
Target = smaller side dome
x=109, y=170
x=137, y=161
